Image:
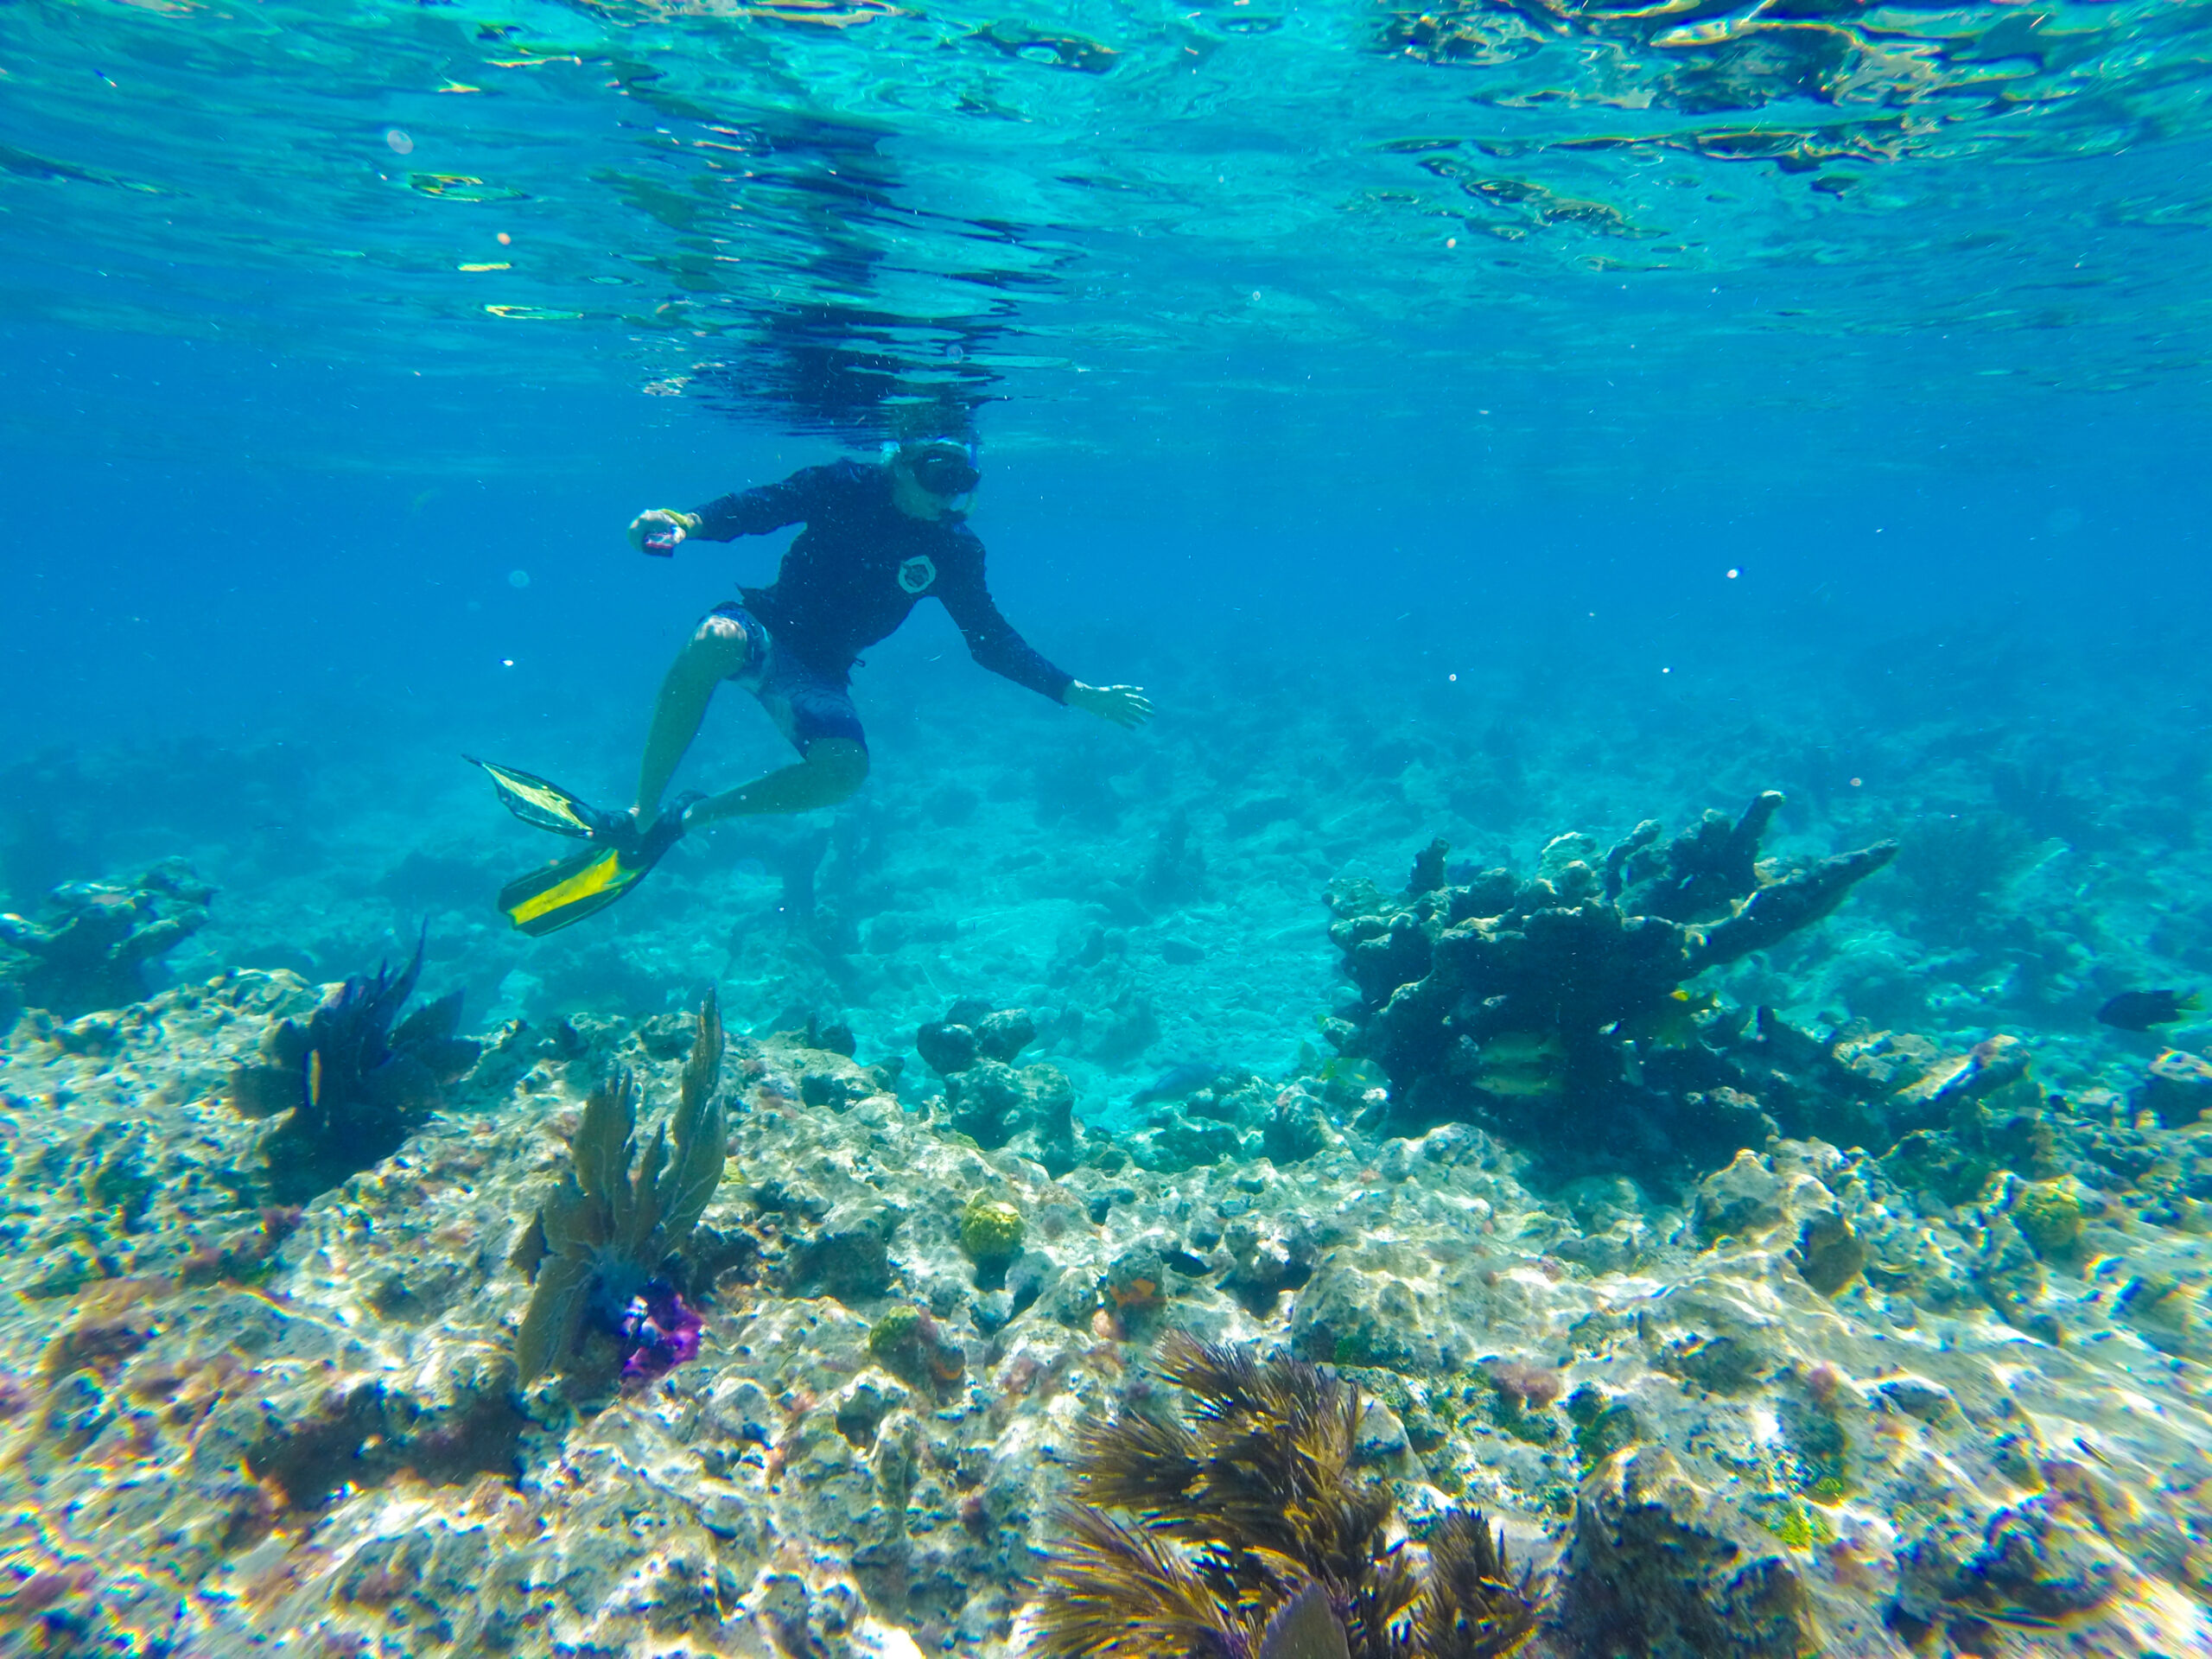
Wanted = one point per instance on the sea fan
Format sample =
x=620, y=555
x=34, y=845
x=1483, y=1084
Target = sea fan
x=601, y=1241
x=1252, y=1534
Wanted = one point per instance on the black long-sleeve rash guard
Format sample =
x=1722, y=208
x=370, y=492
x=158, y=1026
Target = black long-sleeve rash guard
x=857, y=569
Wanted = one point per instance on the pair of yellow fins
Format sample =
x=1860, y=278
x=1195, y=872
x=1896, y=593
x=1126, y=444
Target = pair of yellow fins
x=619, y=856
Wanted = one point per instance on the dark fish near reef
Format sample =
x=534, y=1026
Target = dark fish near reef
x=1178, y=1081
x=2140, y=1010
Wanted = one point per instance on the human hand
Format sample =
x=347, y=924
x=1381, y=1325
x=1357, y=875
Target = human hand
x=1126, y=706
x=658, y=531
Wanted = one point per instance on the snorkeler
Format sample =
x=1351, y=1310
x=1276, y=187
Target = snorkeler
x=879, y=539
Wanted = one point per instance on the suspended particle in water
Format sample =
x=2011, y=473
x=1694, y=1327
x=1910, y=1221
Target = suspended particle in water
x=400, y=143
x=1451, y=241
x=505, y=241
x=1733, y=573
x=1666, y=671
x=1454, y=678
x=517, y=578
x=1855, y=783
x=506, y=662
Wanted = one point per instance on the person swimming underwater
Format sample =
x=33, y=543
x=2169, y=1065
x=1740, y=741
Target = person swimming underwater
x=879, y=538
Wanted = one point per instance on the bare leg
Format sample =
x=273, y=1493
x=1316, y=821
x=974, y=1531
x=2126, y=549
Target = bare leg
x=833, y=769
x=716, y=650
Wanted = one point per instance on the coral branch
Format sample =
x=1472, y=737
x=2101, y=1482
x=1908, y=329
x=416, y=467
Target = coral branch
x=1527, y=1000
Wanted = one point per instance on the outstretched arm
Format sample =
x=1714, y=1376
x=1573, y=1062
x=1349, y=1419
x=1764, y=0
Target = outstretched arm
x=993, y=642
x=744, y=513
x=991, y=639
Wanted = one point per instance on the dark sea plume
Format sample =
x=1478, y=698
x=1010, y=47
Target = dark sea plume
x=355, y=1083
x=1251, y=1531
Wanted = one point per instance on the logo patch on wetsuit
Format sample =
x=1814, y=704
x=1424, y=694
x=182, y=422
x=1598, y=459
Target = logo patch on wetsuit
x=916, y=573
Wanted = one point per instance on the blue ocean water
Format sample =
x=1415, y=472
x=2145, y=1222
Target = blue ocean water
x=1515, y=418
x=1483, y=422
x=1486, y=423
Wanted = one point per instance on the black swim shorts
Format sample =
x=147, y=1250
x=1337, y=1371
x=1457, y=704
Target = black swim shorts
x=804, y=702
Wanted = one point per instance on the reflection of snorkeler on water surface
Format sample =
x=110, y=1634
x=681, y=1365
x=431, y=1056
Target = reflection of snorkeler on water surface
x=879, y=538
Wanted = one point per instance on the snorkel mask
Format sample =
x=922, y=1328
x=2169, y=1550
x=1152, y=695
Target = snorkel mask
x=944, y=467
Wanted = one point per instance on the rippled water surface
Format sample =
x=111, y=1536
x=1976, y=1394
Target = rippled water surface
x=794, y=209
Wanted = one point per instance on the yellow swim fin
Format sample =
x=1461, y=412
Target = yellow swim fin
x=541, y=804
x=620, y=853
x=547, y=901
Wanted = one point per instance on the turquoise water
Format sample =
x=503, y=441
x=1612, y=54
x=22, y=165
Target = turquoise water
x=1812, y=217
x=1484, y=423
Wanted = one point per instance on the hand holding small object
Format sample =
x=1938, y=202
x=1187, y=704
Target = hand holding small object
x=658, y=531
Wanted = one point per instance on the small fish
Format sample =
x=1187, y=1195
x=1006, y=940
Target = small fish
x=2140, y=1010
x=1178, y=1081
x=1673, y=1023
x=1359, y=1076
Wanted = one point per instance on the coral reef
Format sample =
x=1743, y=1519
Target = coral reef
x=987, y=1098
x=94, y=949
x=350, y=1084
x=598, y=1248
x=1535, y=1003
x=1265, y=1514
x=1807, y=1398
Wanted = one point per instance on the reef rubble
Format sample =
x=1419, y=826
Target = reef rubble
x=1857, y=1402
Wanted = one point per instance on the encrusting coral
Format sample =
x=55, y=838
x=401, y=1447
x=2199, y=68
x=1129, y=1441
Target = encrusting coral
x=1253, y=1531
x=94, y=951
x=355, y=1085
x=599, y=1248
x=1535, y=1001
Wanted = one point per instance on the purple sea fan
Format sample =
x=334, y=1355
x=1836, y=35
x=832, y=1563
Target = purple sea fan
x=659, y=1332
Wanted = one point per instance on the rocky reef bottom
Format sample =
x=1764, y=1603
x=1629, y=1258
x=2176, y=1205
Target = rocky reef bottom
x=1828, y=1402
